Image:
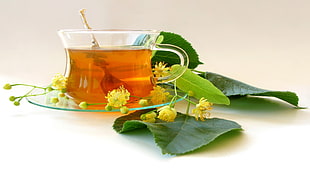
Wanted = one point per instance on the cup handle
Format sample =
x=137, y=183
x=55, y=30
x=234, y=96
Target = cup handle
x=184, y=60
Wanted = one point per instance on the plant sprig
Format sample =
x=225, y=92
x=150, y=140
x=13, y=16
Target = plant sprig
x=17, y=99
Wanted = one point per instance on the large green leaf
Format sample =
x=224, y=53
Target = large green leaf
x=200, y=87
x=231, y=87
x=172, y=58
x=185, y=134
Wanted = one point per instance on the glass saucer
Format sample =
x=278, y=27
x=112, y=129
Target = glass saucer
x=68, y=104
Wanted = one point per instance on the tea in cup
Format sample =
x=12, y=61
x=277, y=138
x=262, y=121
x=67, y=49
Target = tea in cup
x=99, y=61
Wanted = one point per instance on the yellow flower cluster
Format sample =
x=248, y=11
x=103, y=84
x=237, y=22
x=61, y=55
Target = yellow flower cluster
x=159, y=95
x=160, y=70
x=202, y=108
x=118, y=97
x=167, y=113
x=59, y=82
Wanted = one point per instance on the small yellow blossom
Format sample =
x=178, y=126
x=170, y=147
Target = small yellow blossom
x=118, y=97
x=149, y=117
x=59, y=81
x=202, y=108
x=167, y=113
x=160, y=70
x=159, y=95
x=151, y=120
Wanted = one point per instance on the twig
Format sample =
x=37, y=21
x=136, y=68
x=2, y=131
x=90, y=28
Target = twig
x=94, y=42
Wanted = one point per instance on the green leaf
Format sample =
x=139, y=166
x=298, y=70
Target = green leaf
x=185, y=134
x=172, y=58
x=124, y=124
x=231, y=87
x=200, y=87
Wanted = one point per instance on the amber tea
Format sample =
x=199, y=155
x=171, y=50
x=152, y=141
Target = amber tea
x=99, y=61
x=95, y=72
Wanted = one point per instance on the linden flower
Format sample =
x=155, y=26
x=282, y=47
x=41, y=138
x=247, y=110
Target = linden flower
x=202, y=108
x=118, y=97
x=149, y=117
x=167, y=113
x=59, y=81
x=160, y=69
x=159, y=95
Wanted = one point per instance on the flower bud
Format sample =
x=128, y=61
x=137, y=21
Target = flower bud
x=54, y=100
x=49, y=89
x=143, y=117
x=149, y=117
x=7, y=86
x=143, y=102
x=12, y=98
x=190, y=93
x=124, y=109
x=16, y=103
x=83, y=105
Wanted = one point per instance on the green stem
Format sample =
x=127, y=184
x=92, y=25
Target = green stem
x=103, y=103
x=175, y=88
x=188, y=106
x=36, y=94
x=29, y=86
x=26, y=95
x=187, y=100
x=172, y=102
x=33, y=87
x=136, y=96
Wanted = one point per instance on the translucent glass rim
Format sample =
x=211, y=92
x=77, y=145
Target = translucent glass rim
x=108, y=31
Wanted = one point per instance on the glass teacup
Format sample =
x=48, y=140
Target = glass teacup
x=99, y=61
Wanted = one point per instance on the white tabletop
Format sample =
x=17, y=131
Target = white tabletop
x=50, y=151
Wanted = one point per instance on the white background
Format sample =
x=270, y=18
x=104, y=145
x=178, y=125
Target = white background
x=263, y=43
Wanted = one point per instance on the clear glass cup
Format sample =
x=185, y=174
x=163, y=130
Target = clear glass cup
x=99, y=61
